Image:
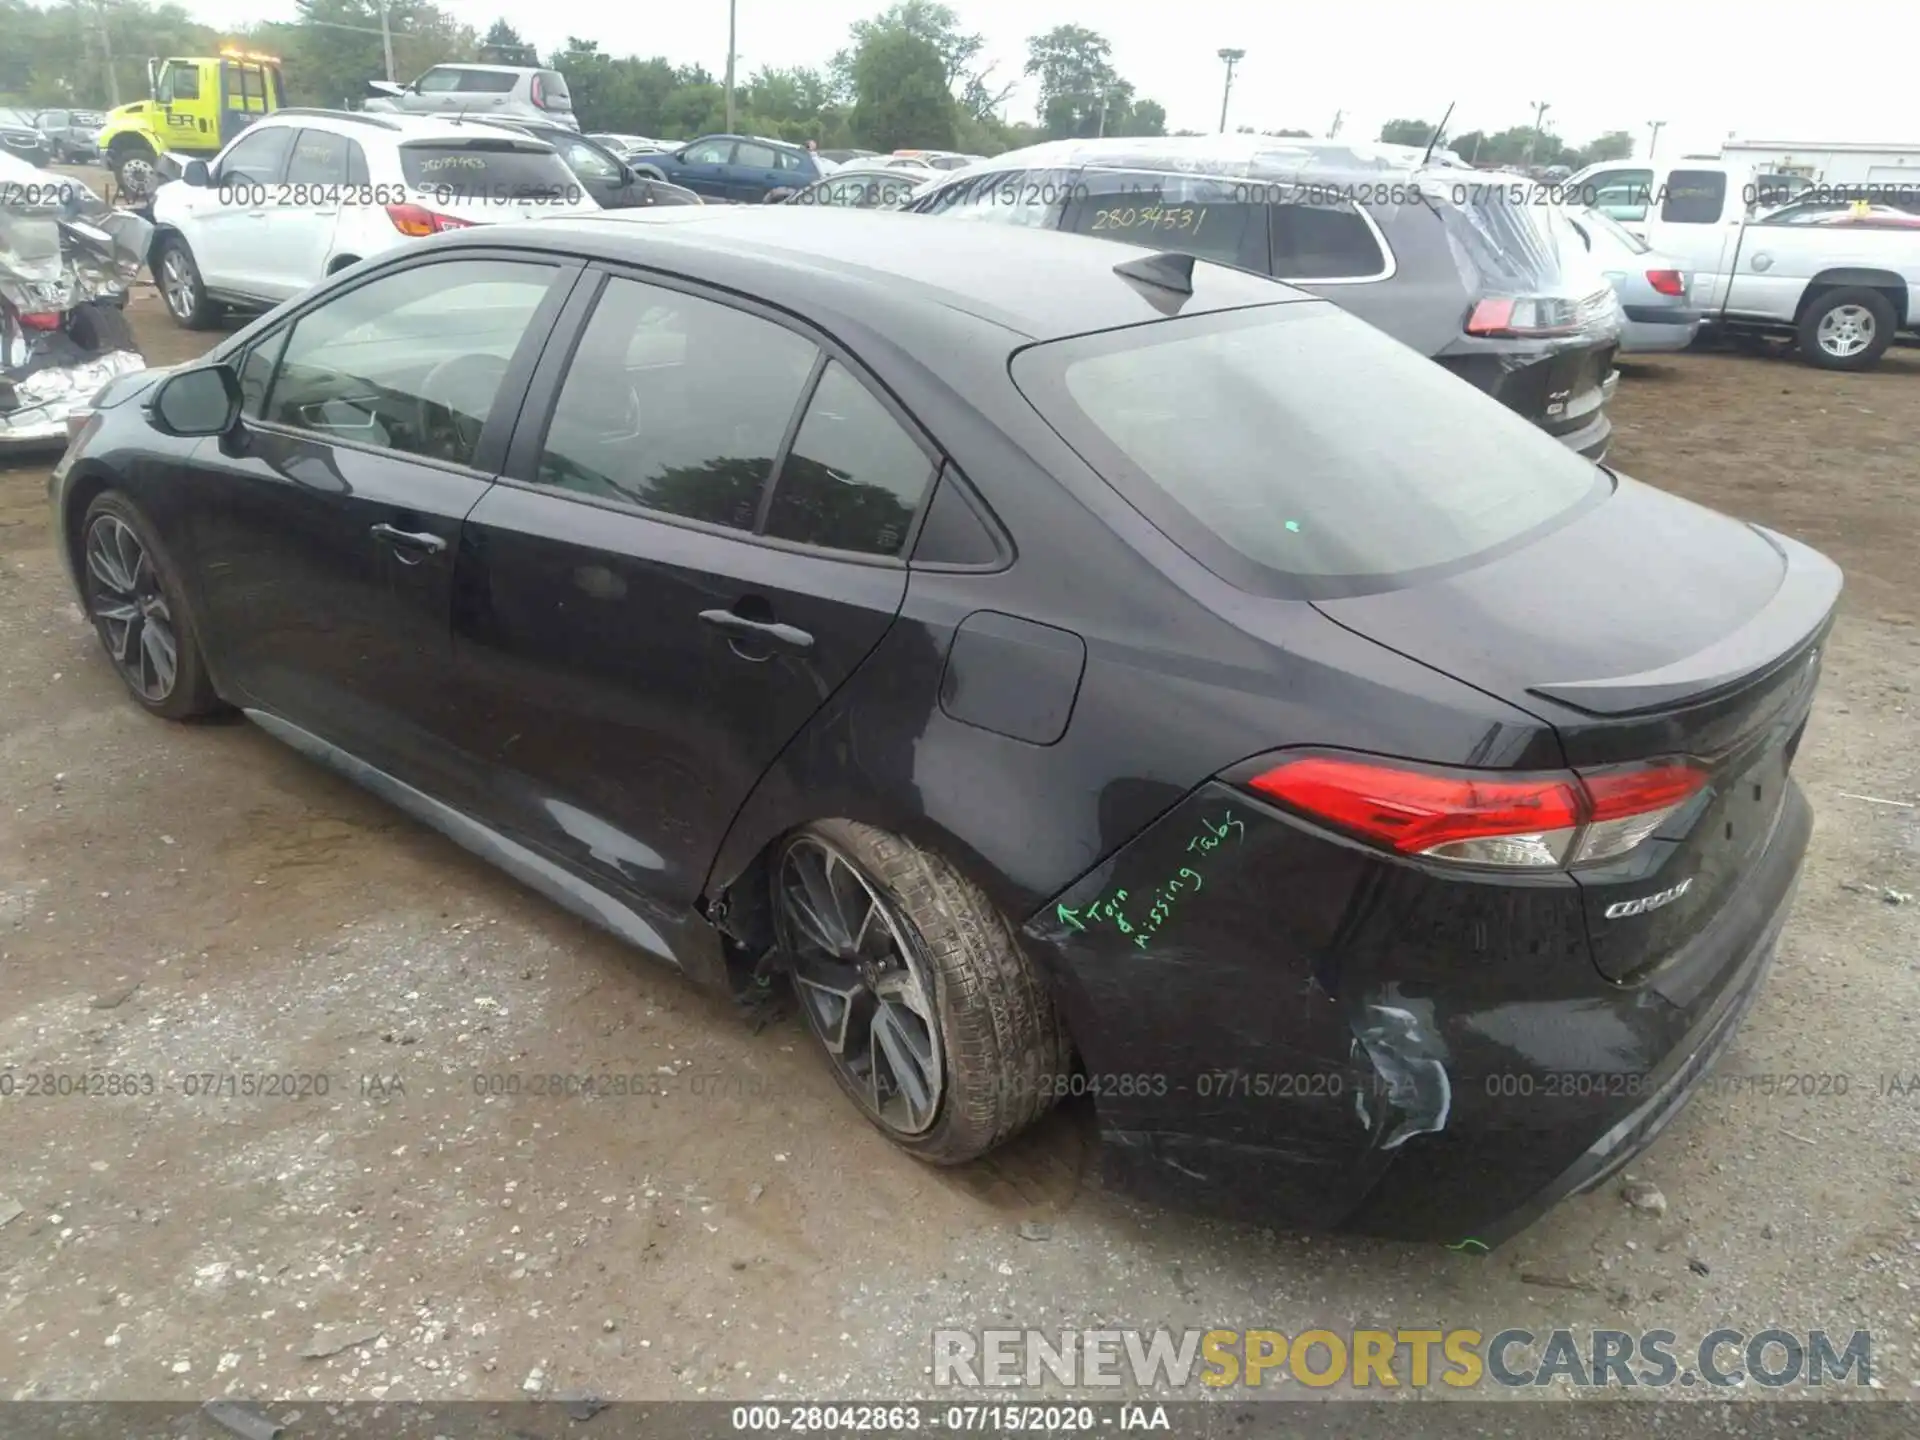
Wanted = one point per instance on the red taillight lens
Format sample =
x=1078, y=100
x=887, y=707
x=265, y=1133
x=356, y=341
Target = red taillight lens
x=539, y=93
x=1667, y=282
x=418, y=220
x=1491, y=317
x=1484, y=818
x=40, y=321
x=1525, y=315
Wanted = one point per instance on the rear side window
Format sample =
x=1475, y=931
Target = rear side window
x=675, y=403
x=1324, y=242
x=318, y=159
x=1694, y=197
x=438, y=82
x=553, y=90
x=484, y=170
x=1259, y=440
x=1197, y=217
x=853, y=478
x=755, y=157
x=487, y=82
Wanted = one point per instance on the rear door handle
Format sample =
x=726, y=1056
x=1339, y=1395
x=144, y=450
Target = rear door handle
x=418, y=540
x=785, y=636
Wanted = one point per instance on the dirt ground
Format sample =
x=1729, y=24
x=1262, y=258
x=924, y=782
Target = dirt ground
x=181, y=902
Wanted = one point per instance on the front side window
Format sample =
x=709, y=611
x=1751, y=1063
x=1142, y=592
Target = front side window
x=713, y=152
x=412, y=361
x=676, y=404
x=258, y=157
x=854, y=478
x=588, y=163
x=184, y=80
x=1620, y=194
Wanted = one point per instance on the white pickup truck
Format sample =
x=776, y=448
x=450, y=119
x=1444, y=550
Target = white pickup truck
x=1840, y=276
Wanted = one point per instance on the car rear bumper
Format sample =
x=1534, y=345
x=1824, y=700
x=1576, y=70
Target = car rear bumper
x=1654, y=328
x=1321, y=1037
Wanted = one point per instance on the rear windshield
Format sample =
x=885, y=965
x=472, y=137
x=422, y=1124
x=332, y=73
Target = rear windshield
x=1294, y=449
x=484, y=170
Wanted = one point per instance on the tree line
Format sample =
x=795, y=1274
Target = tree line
x=1515, y=146
x=909, y=76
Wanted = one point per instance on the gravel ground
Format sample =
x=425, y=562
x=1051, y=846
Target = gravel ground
x=177, y=902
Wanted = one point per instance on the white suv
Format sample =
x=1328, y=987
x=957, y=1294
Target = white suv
x=303, y=193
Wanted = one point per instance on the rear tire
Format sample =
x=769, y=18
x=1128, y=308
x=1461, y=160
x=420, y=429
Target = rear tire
x=998, y=1051
x=181, y=287
x=138, y=608
x=99, y=327
x=1847, y=329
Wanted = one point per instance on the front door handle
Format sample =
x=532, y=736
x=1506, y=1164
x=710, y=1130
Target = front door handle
x=785, y=636
x=417, y=540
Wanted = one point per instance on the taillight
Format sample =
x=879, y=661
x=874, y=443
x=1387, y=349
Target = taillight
x=1524, y=315
x=40, y=320
x=418, y=220
x=1667, y=282
x=1485, y=817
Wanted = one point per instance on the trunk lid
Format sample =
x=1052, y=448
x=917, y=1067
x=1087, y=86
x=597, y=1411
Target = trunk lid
x=1645, y=629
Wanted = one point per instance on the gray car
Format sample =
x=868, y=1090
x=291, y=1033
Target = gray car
x=1654, y=292
x=1468, y=267
x=501, y=92
x=72, y=134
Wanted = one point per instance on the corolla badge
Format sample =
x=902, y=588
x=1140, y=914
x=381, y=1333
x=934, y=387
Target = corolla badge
x=1648, y=902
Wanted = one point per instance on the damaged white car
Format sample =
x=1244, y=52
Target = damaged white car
x=66, y=260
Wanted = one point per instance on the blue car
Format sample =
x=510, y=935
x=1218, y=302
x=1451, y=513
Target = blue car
x=741, y=168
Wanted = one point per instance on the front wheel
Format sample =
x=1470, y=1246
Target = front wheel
x=134, y=599
x=1847, y=329
x=182, y=287
x=135, y=169
x=935, y=1022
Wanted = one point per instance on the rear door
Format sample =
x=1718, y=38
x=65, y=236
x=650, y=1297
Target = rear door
x=644, y=621
x=297, y=233
x=755, y=171
x=328, y=533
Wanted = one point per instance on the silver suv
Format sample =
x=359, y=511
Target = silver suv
x=495, y=91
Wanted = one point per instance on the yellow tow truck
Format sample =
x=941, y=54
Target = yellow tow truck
x=199, y=103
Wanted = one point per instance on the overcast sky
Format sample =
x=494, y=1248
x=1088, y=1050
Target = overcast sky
x=1706, y=67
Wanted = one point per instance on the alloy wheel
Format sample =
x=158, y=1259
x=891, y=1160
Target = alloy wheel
x=130, y=609
x=1846, y=330
x=866, y=990
x=178, y=281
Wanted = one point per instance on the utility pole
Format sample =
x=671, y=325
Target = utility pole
x=1233, y=58
x=1654, y=128
x=386, y=41
x=1540, y=108
x=106, y=52
x=1339, y=117
x=732, y=17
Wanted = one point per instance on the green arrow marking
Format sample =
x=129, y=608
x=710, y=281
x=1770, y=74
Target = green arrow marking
x=1070, y=917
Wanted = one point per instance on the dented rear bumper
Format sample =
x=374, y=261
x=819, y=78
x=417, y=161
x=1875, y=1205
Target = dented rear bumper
x=1306, y=1033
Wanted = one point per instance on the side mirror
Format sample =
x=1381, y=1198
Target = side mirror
x=201, y=401
x=628, y=174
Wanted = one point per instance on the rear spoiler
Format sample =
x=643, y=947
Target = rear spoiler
x=1774, y=637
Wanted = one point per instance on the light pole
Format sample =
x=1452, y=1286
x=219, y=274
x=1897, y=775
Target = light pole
x=732, y=6
x=1654, y=127
x=386, y=40
x=1540, y=108
x=1233, y=58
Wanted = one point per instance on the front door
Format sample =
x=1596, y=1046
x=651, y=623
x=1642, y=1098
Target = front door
x=327, y=534
x=233, y=215
x=647, y=620
x=703, y=168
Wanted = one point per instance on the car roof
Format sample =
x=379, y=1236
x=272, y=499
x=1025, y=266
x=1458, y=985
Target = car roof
x=496, y=69
x=397, y=126
x=1036, y=285
x=1260, y=156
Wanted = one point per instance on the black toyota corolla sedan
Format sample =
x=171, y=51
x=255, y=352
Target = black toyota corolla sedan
x=1079, y=671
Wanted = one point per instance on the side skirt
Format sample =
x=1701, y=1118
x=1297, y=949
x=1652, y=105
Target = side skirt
x=533, y=870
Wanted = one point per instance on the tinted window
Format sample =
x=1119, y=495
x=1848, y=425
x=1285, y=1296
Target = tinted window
x=1694, y=197
x=256, y=371
x=1622, y=194
x=1324, y=242
x=318, y=159
x=259, y=155
x=487, y=82
x=486, y=170
x=714, y=152
x=1261, y=436
x=1233, y=233
x=409, y=362
x=853, y=478
x=676, y=404
x=755, y=157
x=356, y=164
